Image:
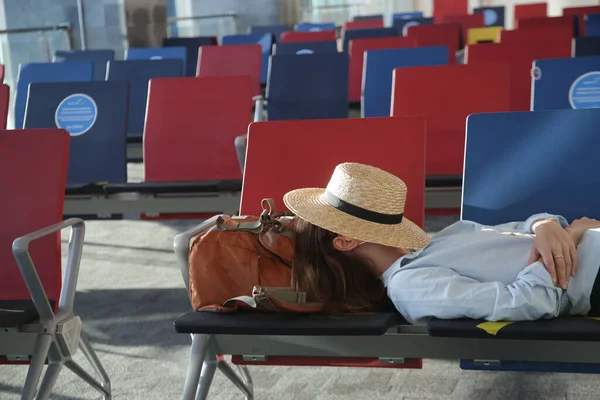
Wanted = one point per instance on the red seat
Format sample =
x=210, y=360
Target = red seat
x=530, y=11
x=33, y=172
x=283, y=155
x=364, y=24
x=232, y=60
x=581, y=12
x=445, y=96
x=437, y=35
x=357, y=55
x=443, y=8
x=2, y=69
x=191, y=125
x=567, y=21
x=466, y=22
x=303, y=37
x=4, y=101
x=550, y=33
x=520, y=57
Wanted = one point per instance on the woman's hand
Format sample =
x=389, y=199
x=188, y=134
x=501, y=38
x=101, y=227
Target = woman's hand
x=556, y=247
x=578, y=228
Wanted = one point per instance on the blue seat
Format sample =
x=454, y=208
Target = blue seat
x=192, y=45
x=564, y=83
x=99, y=58
x=276, y=30
x=305, y=48
x=586, y=46
x=379, y=66
x=313, y=27
x=492, y=16
x=265, y=40
x=592, y=25
x=157, y=53
x=95, y=114
x=314, y=87
x=407, y=15
x=401, y=25
x=47, y=72
x=366, y=34
x=367, y=17
x=138, y=73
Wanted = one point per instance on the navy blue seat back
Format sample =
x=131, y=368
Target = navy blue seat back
x=402, y=25
x=95, y=114
x=265, y=40
x=586, y=46
x=378, y=71
x=492, y=16
x=282, y=49
x=367, y=17
x=99, y=58
x=367, y=33
x=47, y=72
x=309, y=87
x=276, y=30
x=564, y=83
x=407, y=15
x=592, y=25
x=192, y=46
x=157, y=53
x=314, y=27
x=503, y=182
x=138, y=73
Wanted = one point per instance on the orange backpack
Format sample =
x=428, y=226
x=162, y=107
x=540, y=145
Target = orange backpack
x=246, y=262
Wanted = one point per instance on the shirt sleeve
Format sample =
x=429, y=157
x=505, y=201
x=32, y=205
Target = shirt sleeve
x=440, y=292
x=525, y=226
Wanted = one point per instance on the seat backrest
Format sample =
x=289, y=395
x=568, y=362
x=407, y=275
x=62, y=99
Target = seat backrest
x=4, y=101
x=444, y=8
x=192, y=45
x=157, y=53
x=492, y=16
x=95, y=114
x=314, y=27
x=533, y=10
x=276, y=30
x=33, y=172
x=282, y=156
x=99, y=58
x=265, y=41
x=445, y=96
x=580, y=13
x=448, y=35
x=363, y=24
x=520, y=56
x=138, y=73
x=191, y=125
x=587, y=46
x=567, y=21
x=356, y=52
x=466, y=22
x=503, y=183
x=367, y=33
x=308, y=87
x=2, y=70
x=564, y=83
x=47, y=72
x=303, y=48
x=537, y=34
x=368, y=17
x=592, y=25
x=378, y=72
x=316, y=36
x=232, y=60
x=402, y=25
x=407, y=15
x=482, y=35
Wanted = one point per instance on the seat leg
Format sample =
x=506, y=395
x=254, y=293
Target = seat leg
x=208, y=372
x=247, y=378
x=197, y=356
x=49, y=380
x=90, y=354
x=226, y=369
x=36, y=365
x=83, y=374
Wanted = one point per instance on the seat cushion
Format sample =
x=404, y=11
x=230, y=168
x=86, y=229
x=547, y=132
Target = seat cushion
x=17, y=312
x=567, y=329
x=250, y=323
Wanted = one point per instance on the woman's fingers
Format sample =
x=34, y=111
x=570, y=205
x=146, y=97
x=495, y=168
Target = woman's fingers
x=550, y=267
x=574, y=258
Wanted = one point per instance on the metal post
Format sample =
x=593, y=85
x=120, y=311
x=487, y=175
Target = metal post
x=82, y=27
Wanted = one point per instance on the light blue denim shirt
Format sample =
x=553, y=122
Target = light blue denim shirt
x=469, y=270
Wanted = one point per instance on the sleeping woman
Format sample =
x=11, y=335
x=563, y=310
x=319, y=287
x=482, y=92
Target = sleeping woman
x=354, y=246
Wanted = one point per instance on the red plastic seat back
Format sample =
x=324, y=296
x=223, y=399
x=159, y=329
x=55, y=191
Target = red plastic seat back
x=364, y=24
x=581, y=12
x=520, y=56
x=286, y=155
x=466, y=22
x=303, y=37
x=232, y=60
x=567, y=21
x=357, y=50
x=437, y=35
x=445, y=96
x=443, y=8
x=2, y=69
x=191, y=125
x=33, y=172
x=551, y=33
x=4, y=101
x=529, y=11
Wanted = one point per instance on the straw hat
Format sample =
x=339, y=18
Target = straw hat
x=362, y=202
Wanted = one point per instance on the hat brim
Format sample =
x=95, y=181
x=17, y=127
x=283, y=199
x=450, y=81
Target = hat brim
x=309, y=205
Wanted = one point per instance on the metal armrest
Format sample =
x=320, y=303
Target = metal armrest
x=181, y=246
x=22, y=256
x=259, y=108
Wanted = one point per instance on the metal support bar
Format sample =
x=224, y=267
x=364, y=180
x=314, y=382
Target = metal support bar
x=231, y=14
x=82, y=25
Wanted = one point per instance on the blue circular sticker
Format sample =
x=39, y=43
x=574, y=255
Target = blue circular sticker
x=315, y=29
x=585, y=91
x=76, y=114
x=490, y=17
x=305, y=51
x=408, y=25
x=156, y=58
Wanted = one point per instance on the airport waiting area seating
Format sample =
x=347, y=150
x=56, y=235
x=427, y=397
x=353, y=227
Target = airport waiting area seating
x=402, y=24
x=192, y=45
x=305, y=48
x=498, y=188
x=265, y=41
x=157, y=53
x=99, y=58
x=313, y=36
x=367, y=33
x=37, y=292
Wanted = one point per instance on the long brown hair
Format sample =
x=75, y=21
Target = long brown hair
x=343, y=282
